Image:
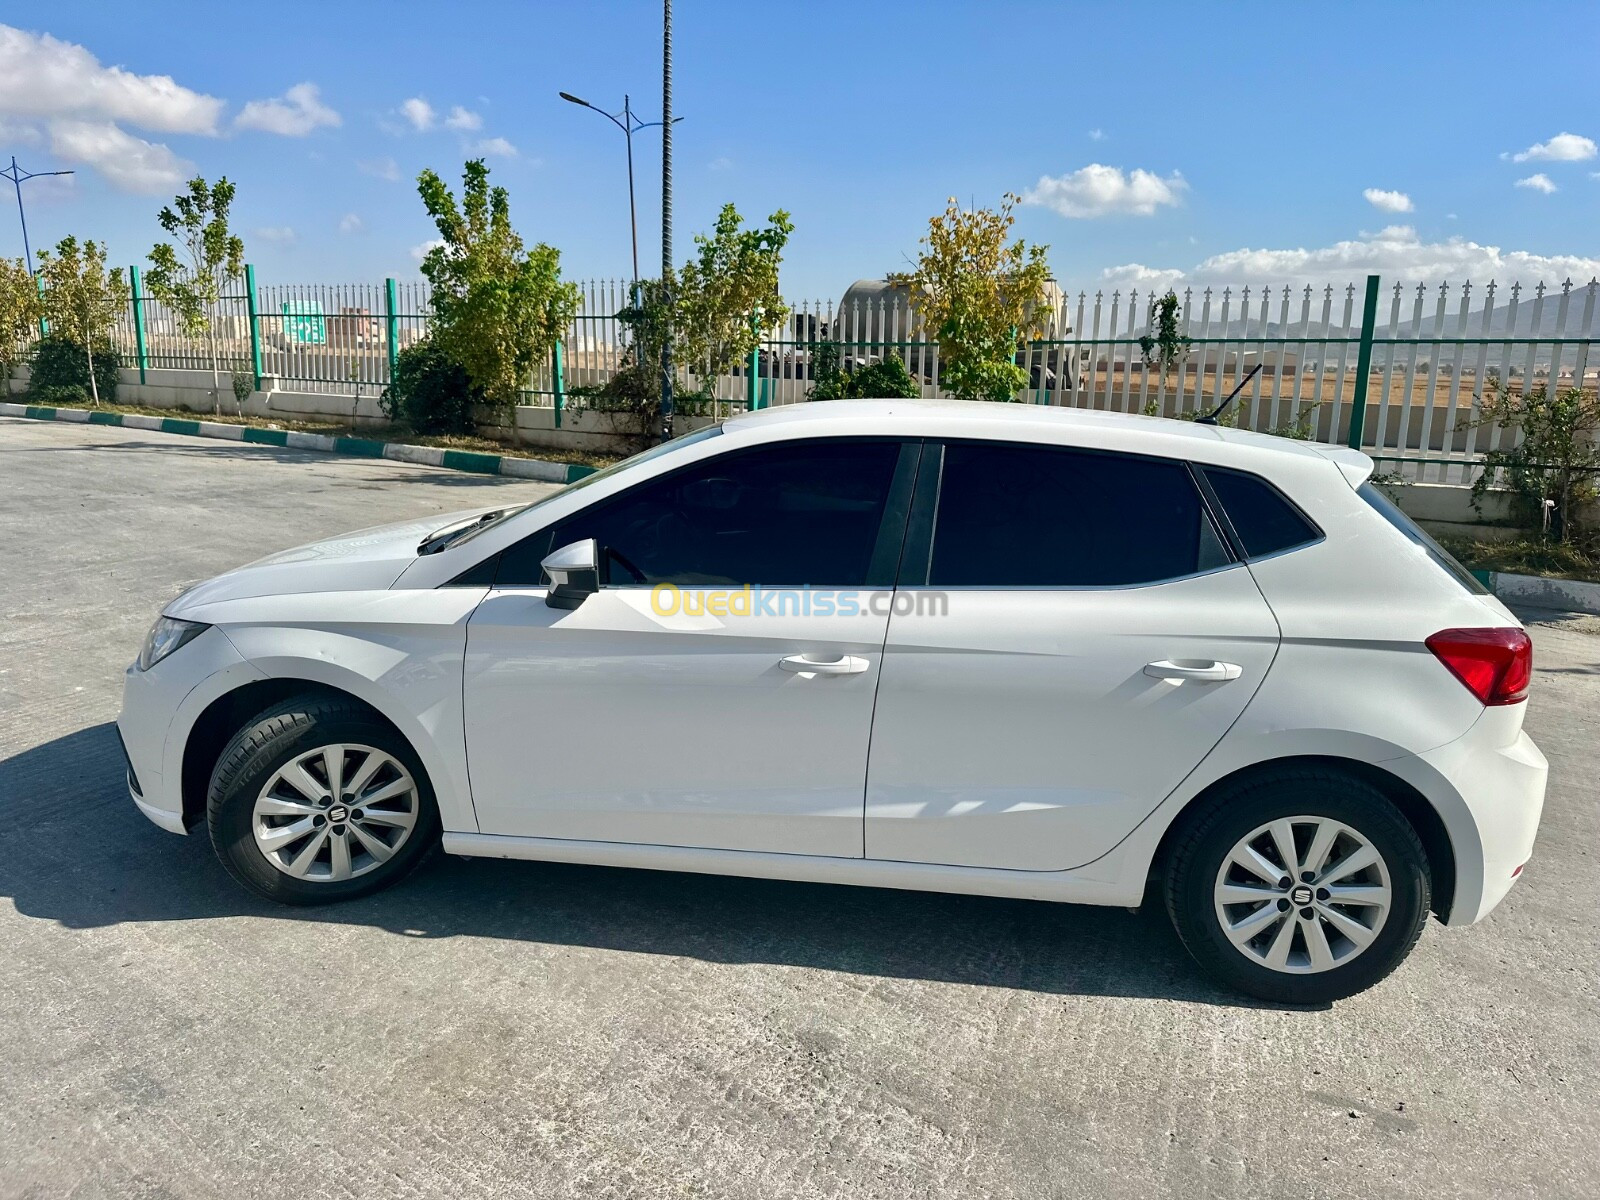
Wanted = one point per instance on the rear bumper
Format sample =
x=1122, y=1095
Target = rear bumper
x=1488, y=786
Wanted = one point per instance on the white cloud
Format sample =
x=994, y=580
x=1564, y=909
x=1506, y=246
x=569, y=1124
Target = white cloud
x=1390, y=202
x=1564, y=147
x=1537, y=182
x=351, y=223
x=419, y=112
x=1097, y=135
x=724, y=163
x=463, y=119
x=295, y=114
x=420, y=251
x=129, y=163
x=496, y=147
x=1100, y=191
x=385, y=169
x=43, y=77
x=1137, y=275
x=280, y=235
x=1396, y=253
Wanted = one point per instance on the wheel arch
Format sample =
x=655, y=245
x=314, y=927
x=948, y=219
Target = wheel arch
x=226, y=715
x=1418, y=811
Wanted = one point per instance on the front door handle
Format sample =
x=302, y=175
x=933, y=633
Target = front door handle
x=843, y=665
x=1205, y=672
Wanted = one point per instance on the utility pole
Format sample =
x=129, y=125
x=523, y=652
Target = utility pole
x=18, y=177
x=666, y=216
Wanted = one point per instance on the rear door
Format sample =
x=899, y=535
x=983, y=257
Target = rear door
x=1072, y=635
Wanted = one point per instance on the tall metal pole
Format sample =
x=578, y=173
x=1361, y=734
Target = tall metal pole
x=666, y=216
x=18, y=177
x=633, y=213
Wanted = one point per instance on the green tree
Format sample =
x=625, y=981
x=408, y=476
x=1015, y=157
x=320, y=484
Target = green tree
x=498, y=307
x=20, y=309
x=1162, y=345
x=728, y=292
x=982, y=296
x=189, y=278
x=82, y=300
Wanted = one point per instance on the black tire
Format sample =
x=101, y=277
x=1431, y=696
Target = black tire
x=1209, y=836
x=276, y=737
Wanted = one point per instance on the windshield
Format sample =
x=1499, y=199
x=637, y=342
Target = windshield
x=457, y=535
x=1390, y=512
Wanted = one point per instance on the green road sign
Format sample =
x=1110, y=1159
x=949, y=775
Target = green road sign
x=303, y=322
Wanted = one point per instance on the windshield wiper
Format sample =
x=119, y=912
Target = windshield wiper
x=444, y=538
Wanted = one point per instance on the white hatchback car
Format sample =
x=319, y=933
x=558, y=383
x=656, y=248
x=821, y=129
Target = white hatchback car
x=1004, y=650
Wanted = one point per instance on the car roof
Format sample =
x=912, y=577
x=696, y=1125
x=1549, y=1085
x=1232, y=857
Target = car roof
x=1128, y=432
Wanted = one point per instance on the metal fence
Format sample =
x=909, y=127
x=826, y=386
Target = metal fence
x=1394, y=368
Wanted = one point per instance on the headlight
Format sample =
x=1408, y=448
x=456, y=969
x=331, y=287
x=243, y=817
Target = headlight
x=165, y=636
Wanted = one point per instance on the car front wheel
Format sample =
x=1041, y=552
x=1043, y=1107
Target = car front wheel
x=317, y=800
x=1302, y=886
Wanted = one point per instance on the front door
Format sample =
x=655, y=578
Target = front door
x=717, y=690
x=1080, y=640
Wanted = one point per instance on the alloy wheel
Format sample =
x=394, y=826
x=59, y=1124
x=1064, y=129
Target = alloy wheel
x=1303, y=895
x=335, y=813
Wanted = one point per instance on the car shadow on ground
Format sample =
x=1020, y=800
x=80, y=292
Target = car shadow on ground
x=75, y=851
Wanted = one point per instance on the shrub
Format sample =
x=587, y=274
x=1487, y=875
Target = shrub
x=430, y=392
x=886, y=379
x=1554, y=463
x=60, y=369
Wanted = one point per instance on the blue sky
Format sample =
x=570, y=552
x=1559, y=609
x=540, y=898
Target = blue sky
x=1154, y=143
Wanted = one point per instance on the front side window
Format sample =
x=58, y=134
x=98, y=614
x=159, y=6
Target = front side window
x=795, y=514
x=1039, y=516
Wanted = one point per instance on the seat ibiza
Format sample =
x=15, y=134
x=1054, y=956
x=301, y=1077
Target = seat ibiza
x=962, y=647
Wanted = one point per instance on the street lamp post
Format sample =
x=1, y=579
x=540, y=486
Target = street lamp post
x=666, y=215
x=18, y=177
x=630, y=125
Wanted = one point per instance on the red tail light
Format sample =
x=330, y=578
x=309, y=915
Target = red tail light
x=1495, y=664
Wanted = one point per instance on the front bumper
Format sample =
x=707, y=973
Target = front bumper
x=160, y=707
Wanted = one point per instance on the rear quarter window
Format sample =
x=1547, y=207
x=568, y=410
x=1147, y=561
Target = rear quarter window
x=1264, y=521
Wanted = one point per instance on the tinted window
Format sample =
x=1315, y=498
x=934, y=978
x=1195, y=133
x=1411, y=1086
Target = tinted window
x=1025, y=516
x=803, y=513
x=1265, y=522
x=1390, y=512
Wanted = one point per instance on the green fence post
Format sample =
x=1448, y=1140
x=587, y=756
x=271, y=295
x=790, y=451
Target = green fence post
x=558, y=373
x=752, y=381
x=44, y=326
x=141, y=348
x=255, y=322
x=1369, y=320
x=391, y=322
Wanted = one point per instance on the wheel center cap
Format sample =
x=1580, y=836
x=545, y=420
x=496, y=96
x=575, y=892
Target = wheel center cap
x=1300, y=895
x=338, y=813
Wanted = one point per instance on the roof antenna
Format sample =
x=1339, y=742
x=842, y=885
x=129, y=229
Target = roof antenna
x=1211, y=417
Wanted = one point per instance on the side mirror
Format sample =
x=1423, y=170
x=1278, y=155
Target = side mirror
x=574, y=574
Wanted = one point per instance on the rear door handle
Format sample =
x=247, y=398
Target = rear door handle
x=1205, y=672
x=843, y=665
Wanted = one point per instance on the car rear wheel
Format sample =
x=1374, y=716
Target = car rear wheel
x=1303, y=886
x=317, y=800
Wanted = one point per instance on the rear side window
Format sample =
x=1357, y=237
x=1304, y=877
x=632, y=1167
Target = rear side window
x=1390, y=512
x=1036, y=516
x=1264, y=521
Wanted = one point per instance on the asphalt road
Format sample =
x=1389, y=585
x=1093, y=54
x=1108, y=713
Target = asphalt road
x=508, y=1029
